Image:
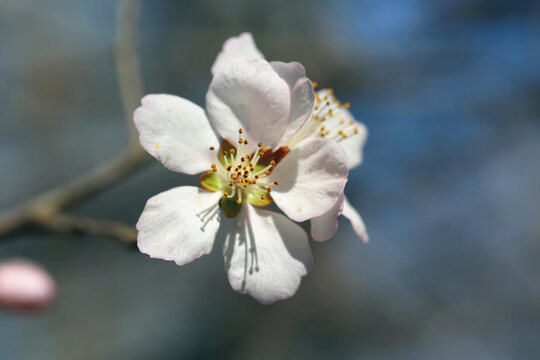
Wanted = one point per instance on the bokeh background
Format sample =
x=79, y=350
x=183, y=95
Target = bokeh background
x=450, y=187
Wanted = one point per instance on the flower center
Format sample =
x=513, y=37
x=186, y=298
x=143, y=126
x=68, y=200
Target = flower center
x=241, y=175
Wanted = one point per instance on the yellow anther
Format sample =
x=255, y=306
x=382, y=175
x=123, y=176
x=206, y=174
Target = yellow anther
x=245, y=185
x=330, y=91
x=259, y=144
x=242, y=159
x=356, y=130
x=225, y=193
x=268, y=189
x=232, y=151
x=240, y=131
x=347, y=105
x=239, y=201
x=231, y=183
x=276, y=183
x=317, y=97
x=213, y=165
x=246, y=142
x=250, y=164
x=214, y=169
x=267, y=172
x=212, y=148
x=256, y=176
x=315, y=84
x=273, y=162
x=240, y=140
x=323, y=128
x=325, y=97
x=248, y=156
x=330, y=112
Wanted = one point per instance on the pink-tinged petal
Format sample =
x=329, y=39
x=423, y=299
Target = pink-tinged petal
x=354, y=145
x=311, y=178
x=249, y=94
x=25, y=286
x=235, y=47
x=324, y=227
x=180, y=224
x=266, y=255
x=176, y=132
x=356, y=221
x=302, y=95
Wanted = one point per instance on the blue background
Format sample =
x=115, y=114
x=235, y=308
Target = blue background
x=449, y=190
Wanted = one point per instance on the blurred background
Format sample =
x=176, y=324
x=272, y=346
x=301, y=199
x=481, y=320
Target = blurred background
x=449, y=190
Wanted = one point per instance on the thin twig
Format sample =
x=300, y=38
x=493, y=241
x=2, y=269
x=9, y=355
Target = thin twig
x=46, y=209
x=127, y=63
x=64, y=223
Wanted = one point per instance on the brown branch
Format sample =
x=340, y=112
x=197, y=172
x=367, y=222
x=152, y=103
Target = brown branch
x=127, y=63
x=46, y=209
x=64, y=223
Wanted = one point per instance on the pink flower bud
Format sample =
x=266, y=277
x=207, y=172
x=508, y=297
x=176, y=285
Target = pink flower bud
x=25, y=286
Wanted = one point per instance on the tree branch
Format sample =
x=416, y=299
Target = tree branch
x=46, y=209
x=65, y=223
x=127, y=63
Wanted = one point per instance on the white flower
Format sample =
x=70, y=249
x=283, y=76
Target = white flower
x=250, y=104
x=329, y=119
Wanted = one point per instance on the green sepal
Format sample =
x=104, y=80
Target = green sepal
x=229, y=207
x=257, y=201
x=210, y=181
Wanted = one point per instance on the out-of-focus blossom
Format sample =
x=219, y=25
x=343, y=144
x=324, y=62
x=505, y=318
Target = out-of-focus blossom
x=25, y=286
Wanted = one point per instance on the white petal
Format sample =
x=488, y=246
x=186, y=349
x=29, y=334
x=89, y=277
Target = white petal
x=266, y=255
x=356, y=221
x=311, y=178
x=235, y=47
x=176, y=132
x=354, y=145
x=324, y=227
x=179, y=224
x=249, y=94
x=302, y=95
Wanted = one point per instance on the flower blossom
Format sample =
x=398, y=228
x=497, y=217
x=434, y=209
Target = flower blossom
x=25, y=286
x=253, y=106
x=330, y=119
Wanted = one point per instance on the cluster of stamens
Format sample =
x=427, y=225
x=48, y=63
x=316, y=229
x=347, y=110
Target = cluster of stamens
x=238, y=172
x=328, y=119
